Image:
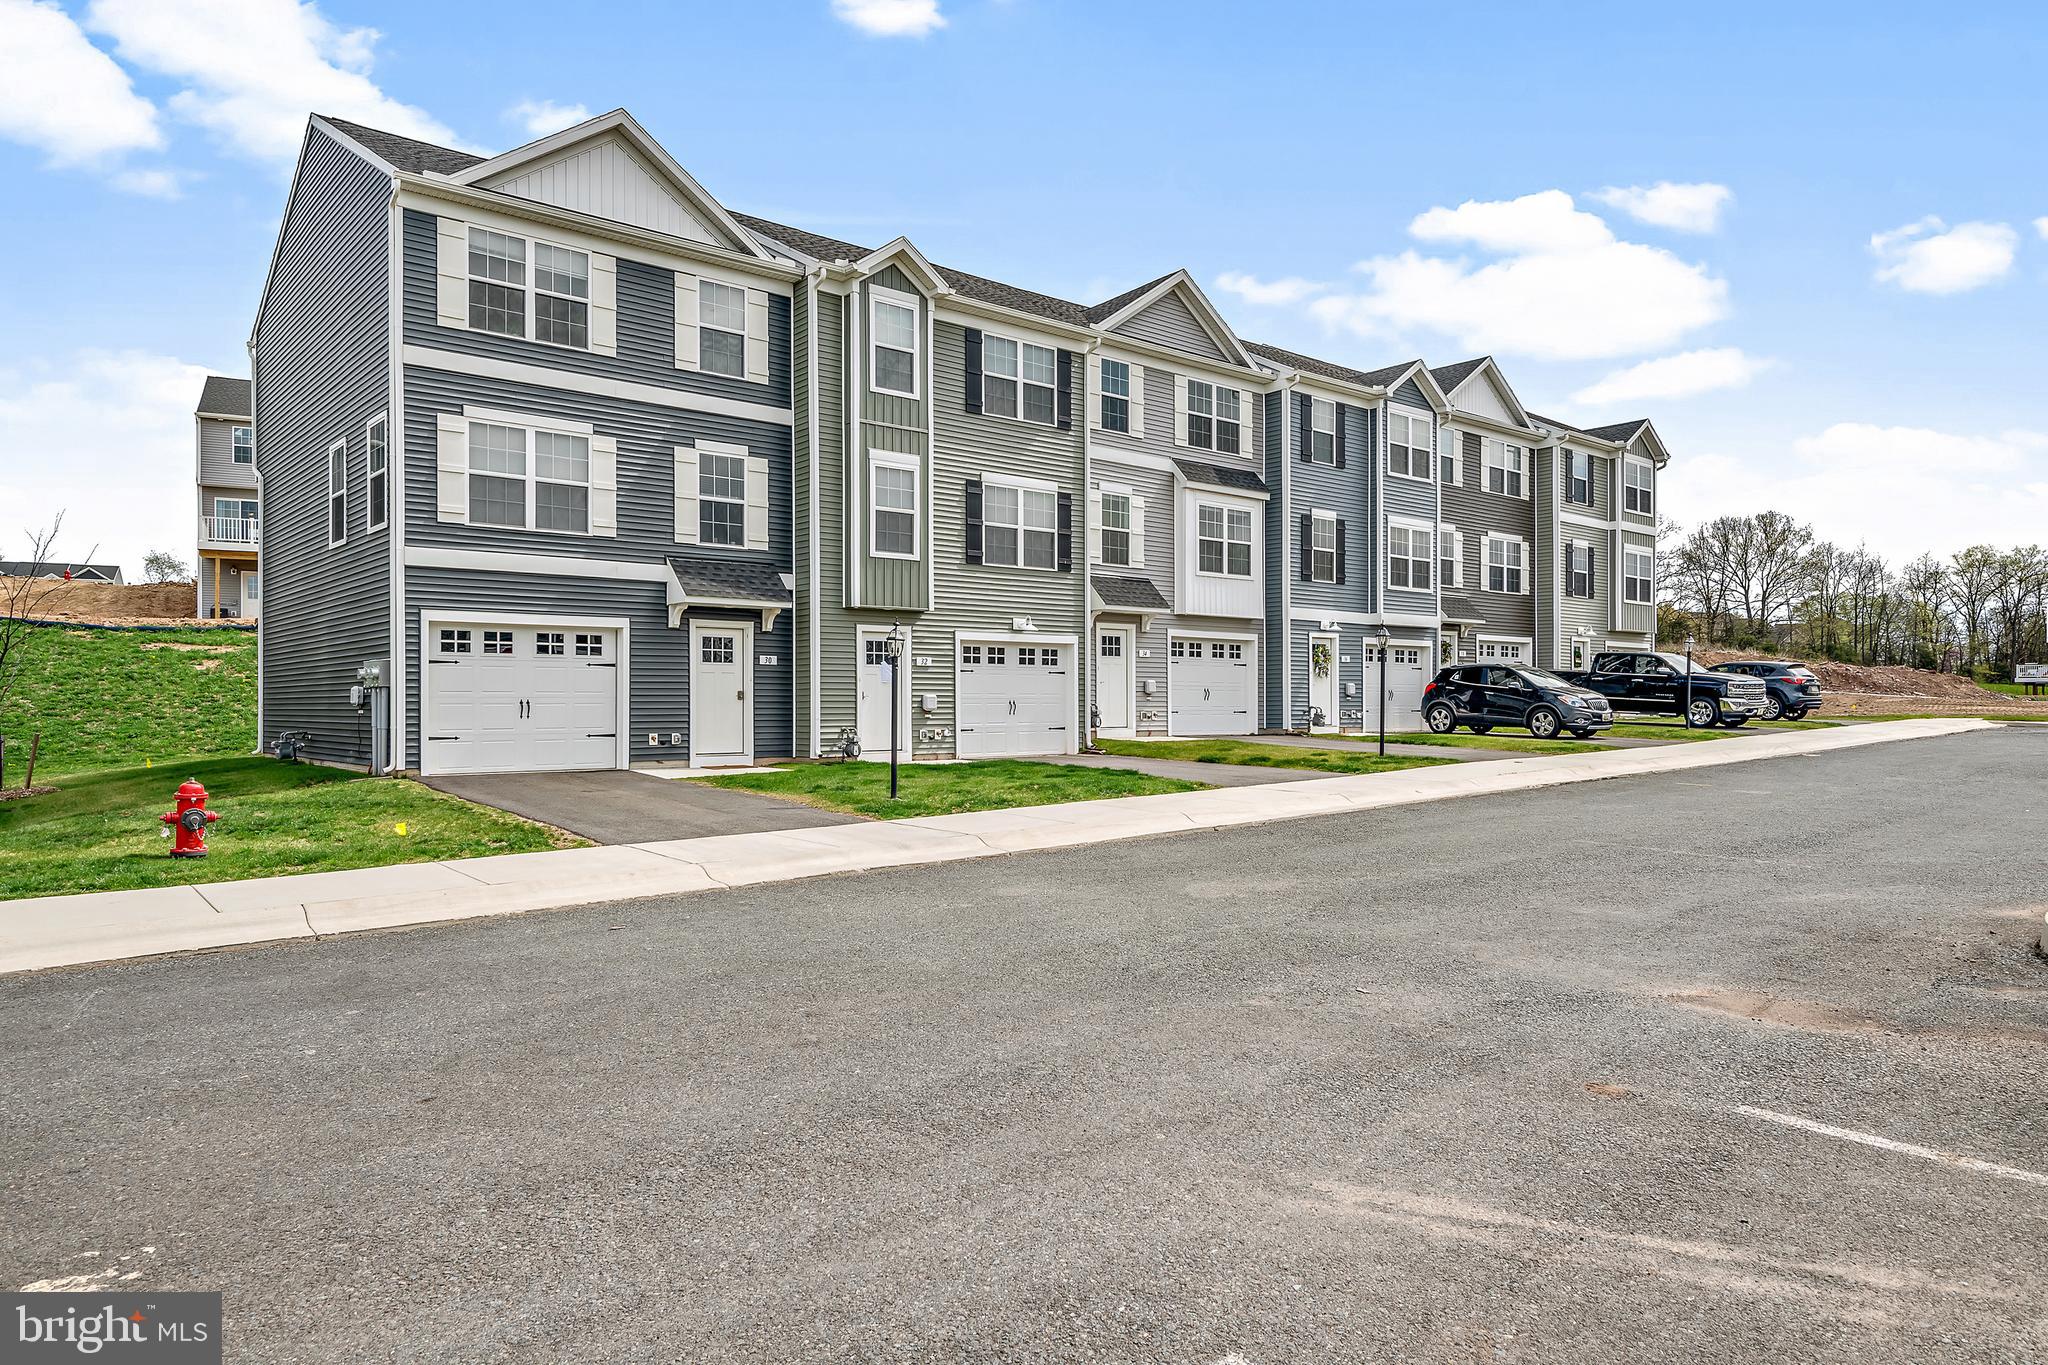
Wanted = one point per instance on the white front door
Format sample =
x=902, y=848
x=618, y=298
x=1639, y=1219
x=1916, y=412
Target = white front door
x=1113, y=681
x=1322, y=686
x=876, y=692
x=1013, y=698
x=509, y=698
x=721, y=701
x=1210, y=686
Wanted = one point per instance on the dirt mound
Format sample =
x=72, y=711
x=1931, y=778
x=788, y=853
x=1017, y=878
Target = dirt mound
x=1885, y=681
x=112, y=604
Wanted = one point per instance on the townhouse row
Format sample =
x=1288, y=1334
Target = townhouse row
x=571, y=467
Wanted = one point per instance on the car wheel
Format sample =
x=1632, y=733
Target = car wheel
x=1704, y=713
x=1543, y=723
x=1773, y=709
x=1442, y=719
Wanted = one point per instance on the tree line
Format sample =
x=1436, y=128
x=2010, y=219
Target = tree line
x=1767, y=582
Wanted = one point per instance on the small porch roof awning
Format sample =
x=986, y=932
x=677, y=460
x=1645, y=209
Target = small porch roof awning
x=732, y=584
x=1221, y=476
x=1134, y=596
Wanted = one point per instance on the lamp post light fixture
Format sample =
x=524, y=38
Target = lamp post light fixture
x=1381, y=639
x=893, y=648
x=1688, y=680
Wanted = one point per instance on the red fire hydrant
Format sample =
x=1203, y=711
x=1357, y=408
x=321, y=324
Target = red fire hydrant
x=190, y=820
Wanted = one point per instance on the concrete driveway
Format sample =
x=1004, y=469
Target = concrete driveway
x=624, y=807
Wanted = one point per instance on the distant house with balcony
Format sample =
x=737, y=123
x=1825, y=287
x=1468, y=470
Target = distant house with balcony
x=230, y=510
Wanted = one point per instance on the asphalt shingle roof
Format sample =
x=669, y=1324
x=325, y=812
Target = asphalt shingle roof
x=1220, y=475
x=1328, y=369
x=741, y=580
x=407, y=154
x=228, y=397
x=1109, y=307
x=30, y=568
x=1620, y=432
x=1137, y=594
x=1448, y=377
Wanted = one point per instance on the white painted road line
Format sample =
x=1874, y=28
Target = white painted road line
x=1968, y=1163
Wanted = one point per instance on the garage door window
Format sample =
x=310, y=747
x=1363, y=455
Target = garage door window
x=455, y=642
x=1049, y=657
x=548, y=642
x=497, y=642
x=590, y=646
x=1027, y=657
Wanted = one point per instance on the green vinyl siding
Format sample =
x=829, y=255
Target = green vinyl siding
x=894, y=423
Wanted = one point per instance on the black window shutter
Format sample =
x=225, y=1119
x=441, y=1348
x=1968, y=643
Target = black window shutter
x=974, y=506
x=1340, y=453
x=1308, y=547
x=1307, y=427
x=1064, y=395
x=974, y=405
x=1340, y=545
x=1065, y=539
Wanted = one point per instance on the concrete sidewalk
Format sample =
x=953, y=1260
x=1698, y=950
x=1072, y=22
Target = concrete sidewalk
x=59, y=931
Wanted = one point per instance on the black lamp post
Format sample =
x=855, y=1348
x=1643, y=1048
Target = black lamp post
x=1688, y=680
x=894, y=648
x=1382, y=639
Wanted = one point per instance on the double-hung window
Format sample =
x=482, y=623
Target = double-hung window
x=1116, y=529
x=1579, y=576
x=721, y=498
x=892, y=350
x=378, y=465
x=1504, y=468
x=1579, y=478
x=1115, y=397
x=1322, y=564
x=1409, y=444
x=528, y=478
x=497, y=282
x=894, y=504
x=1019, y=379
x=1322, y=431
x=561, y=296
x=337, y=493
x=1019, y=526
x=1214, y=418
x=721, y=328
x=1638, y=573
x=1637, y=477
x=1504, y=564
x=1450, y=554
x=1223, y=540
x=1408, y=556
x=243, y=445
x=1447, y=460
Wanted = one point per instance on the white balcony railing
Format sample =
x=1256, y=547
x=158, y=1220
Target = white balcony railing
x=228, y=530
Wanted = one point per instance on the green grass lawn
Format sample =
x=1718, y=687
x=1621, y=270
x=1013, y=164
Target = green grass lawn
x=1514, y=744
x=1250, y=753
x=100, y=831
x=947, y=788
x=112, y=698
x=1675, y=731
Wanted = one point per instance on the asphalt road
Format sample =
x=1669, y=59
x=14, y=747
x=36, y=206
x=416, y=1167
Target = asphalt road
x=1306, y=1092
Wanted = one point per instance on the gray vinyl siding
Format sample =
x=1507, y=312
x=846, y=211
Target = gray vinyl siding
x=1405, y=497
x=230, y=585
x=1587, y=615
x=803, y=525
x=217, y=467
x=1349, y=664
x=658, y=655
x=646, y=329
x=1543, y=556
x=1604, y=473
x=1475, y=511
x=320, y=370
x=1168, y=322
x=1273, y=682
x=1347, y=493
x=893, y=422
x=837, y=679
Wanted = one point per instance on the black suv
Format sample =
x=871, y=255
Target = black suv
x=1790, y=690
x=1485, y=695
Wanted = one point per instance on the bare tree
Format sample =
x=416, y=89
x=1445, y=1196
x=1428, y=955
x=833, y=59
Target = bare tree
x=1974, y=578
x=22, y=599
x=161, y=566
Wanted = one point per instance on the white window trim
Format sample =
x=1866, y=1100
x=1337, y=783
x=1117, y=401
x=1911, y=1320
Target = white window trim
x=1134, y=377
x=233, y=443
x=1020, y=342
x=1251, y=541
x=1451, y=447
x=1315, y=404
x=703, y=327
x=1103, y=528
x=371, y=474
x=1413, y=526
x=1649, y=487
x=530, y=289
x=1486, y=564
x=1447, y=533
x=883, y=459
x=1244, y=403
x=1571, y=559
x=878, y=295
x=1631, y=553
x=1428, y=449
x=531, y=478
x=1022, y=484
x=1317, y=521
x=1571, y=459
x=1494, y=455
x=706, y=451
x=337, y=495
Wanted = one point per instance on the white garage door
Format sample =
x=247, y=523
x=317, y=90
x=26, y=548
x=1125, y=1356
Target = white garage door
x=1013, y=699
x=1210, y=687
x=507, y=699
x=1407, y=674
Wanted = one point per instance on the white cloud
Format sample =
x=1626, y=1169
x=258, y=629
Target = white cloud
x=2041, y=226
x=1929, y=257
x=891, y=18
x=1682, y=208
x=1565, y=288
x=1903, y=490
x=65, y=97
x=117, y=426
x=1674, y=376
x=256, y=68
x=156, y=183
x=1267, y=293
x=541, y=117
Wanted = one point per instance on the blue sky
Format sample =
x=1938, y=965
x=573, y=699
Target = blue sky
x=1831, y=306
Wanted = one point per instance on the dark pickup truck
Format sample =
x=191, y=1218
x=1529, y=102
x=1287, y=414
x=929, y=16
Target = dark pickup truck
x=1654, y=683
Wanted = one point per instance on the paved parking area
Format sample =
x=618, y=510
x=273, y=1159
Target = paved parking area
x=625, y=807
